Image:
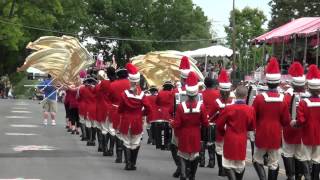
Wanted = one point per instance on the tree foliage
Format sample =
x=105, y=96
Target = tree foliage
x=128, y=19
x=59, y=15
x=147, y=19
x=249, y=24
x=282, y=11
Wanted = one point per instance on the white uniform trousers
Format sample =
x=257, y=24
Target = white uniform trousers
x=238, y=166
x=311, y=153
x=131, y=141
x=273, y=157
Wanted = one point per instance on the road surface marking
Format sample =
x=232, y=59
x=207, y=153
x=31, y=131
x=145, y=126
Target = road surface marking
x=22, y=104
x=24, y=125
x=34, y=148
x=20, y=179
x=18, y=117
x=20, y=108
x=28, y=112
x=21, y=134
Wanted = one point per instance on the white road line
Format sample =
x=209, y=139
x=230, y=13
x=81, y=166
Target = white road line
x=21, y=104
x=22, y=148
x=27, y=112
x=20, y=108
x=21, y=134
x=20, y=178
x=24, y=125
x=18, y=117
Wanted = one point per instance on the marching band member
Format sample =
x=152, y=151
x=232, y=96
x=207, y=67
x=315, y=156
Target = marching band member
x=102, y=95
x=87, y=98
x=291, y=144
x=217, y=108
x=131, y=112
x=66, y=107
x=164, y=103
x=106, y=125
x=190, y=116
x=234, y=122
x=271, y=115
x=153, y=114
x=180, y=92
x=210, y=94
x=309, y=121
x=73, y=110
x=117, y=87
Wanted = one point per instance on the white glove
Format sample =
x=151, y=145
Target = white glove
x=293, y=123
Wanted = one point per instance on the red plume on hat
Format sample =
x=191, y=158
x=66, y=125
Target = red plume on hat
x=192, y=84
x=224, y=81
x=184, y=66
x=296, y=71
x=134, y=75
x=313, y=77
x=273, y=74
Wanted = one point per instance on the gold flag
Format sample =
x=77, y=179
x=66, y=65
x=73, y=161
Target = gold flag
x=160, y=66
x=61, y=57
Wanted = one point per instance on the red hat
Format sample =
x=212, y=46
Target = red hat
x=313, y=77
x=134, y=75
x=297, y=73
x=273, y=74
x=192, y=84
x=184, y=67
x=224, y=81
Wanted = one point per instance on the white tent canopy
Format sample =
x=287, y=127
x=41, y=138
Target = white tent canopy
x=212, y=51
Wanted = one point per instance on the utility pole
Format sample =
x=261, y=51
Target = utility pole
x=234, y=33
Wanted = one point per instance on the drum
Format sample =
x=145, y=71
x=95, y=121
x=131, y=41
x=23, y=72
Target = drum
x=161, y=133
x=211, y=133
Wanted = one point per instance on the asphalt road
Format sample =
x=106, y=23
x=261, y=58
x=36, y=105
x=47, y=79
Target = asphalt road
x=29, y=150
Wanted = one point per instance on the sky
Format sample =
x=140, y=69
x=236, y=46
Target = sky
x=218, y=11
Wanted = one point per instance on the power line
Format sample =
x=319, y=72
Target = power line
x=105, y=37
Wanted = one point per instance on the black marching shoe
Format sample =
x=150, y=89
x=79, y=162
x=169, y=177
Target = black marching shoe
x=315, y=171
x=99, y=135
x=289, y=167
x=183, y=168
x=221, y=171
x=134, y=156
x=129, y=165
x=273, y=174
x=231, y=174
x=111, y=144
x=176, y=158
x=260, y=171
x=119, y=151
x=202, y=155
x=193, y=169
x=212, y=159
x=298, y=169
x=239, y=176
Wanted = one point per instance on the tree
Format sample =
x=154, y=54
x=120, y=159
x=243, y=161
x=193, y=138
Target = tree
x=47, y=14
x=282, y=11
x=249, y=22
x=147, y=20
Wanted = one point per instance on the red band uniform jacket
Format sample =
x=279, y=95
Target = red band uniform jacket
x=271, y=115
x=116, y=90
x=309, y=120
x=234, y=123
x=131, y=112
x=102, y=99
x=190, y=116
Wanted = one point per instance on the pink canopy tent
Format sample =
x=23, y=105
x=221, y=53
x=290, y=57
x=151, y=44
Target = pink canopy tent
x=302, y=27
